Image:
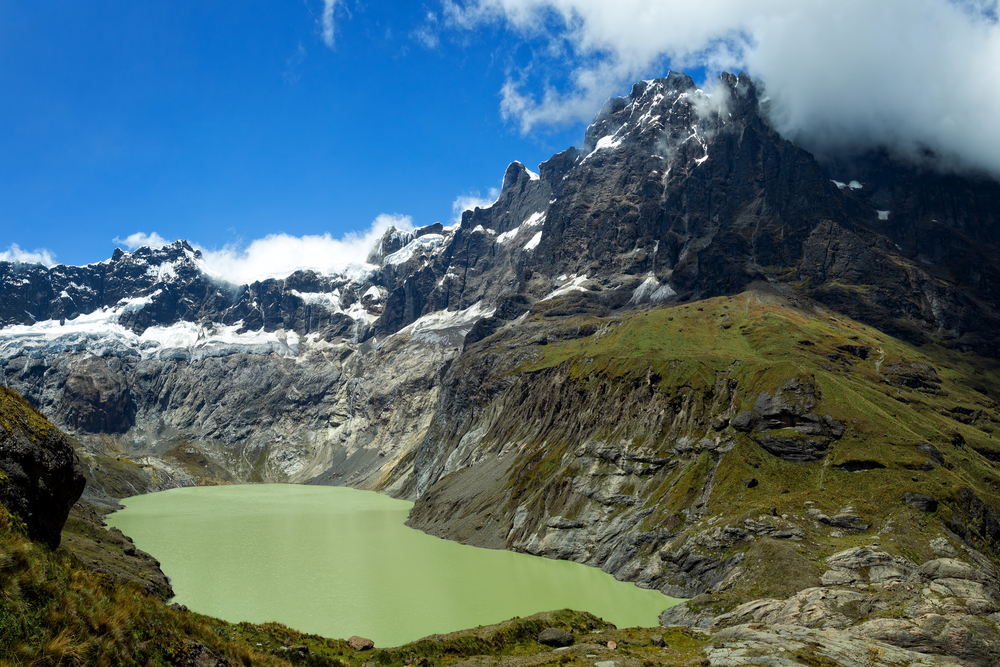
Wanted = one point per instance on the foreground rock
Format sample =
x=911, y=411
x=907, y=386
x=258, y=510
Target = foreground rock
x=942, y=612
x=361, y=643
x=555, y=637
x=40, y=476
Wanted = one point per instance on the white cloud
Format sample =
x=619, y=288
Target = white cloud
x=139, y=239
x=472, y=200
x=326, y=23
x=427, y=34
x=37, y=256
x=280, y=255
x=911, y=74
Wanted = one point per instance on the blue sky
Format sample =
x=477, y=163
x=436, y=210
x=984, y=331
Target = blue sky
x=223, y=122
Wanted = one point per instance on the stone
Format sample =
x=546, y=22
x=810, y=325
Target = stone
x=931, y=451
x=793, y=449
x=943, y=548
x=199, y=655
x=846, y=521
x=612, y=645
x=360, y=643
x=555, y=637
x=864, y=558
x=840, y=577
x=743, y=421
x=920, y=501
x=40, y=475
x=680, y=615
x=657, y=640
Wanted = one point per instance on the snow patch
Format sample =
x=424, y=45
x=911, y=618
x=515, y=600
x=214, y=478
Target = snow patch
x=163, y=272
x=533, y=243
x=535, y=219
x=606, y=143
x=426, y=243
x=450, y=319
x=651, y=291
x=854, y=185
x=358, y=312
x=329, y=300
x=883, y=215
x=839, y=185
x=574, y=284
x=507, y=236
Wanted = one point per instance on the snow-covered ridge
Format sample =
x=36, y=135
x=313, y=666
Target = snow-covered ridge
x=100, y=334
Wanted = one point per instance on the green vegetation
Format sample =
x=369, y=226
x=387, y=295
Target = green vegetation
x=651, y=380
x=17, y=415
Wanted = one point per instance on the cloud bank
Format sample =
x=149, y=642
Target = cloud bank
x=37, y=256
x=280, y=255
x=842, y=75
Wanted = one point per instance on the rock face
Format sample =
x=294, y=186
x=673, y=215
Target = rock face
x=40, y=476
x=784, y=424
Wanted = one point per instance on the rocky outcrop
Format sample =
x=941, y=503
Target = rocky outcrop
x=40, y=476
x=785, y=425
x=871, y=599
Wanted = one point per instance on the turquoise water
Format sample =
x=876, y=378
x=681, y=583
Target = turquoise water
x=337, y=562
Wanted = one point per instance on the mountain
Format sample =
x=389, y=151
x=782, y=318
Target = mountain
x=688, y=353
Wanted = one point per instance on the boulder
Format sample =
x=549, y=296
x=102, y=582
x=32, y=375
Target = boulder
x=40, y=475
x=920, y=501
x=199, y=655
x=360, y=643
x=555, y=637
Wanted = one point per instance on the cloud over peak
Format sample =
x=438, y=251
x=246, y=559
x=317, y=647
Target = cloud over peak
x=913, y=75
x=139, y=239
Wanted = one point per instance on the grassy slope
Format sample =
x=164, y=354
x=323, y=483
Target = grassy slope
x=760, y=341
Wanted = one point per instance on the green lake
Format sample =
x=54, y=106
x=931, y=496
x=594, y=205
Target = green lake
x=337, y=562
